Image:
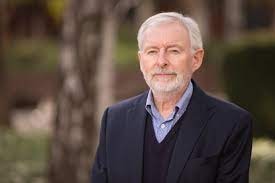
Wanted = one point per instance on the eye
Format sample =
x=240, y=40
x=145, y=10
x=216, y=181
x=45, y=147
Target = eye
x=151, y=52
x=174, y=51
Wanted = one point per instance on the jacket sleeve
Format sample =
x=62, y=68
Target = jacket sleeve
x=99, y=169
x=235, y=159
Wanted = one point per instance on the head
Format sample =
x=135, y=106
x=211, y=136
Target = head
x=170, y=51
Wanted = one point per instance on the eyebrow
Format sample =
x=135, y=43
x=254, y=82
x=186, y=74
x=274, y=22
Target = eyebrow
x=174, y=45
x=166, y=47
x=150, y=47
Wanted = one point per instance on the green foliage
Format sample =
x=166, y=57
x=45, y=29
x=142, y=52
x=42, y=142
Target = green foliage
x=56, y=9
x=126, y=49
x=32, y=55
x=43, y=55
x=262, y=168
x=23, y=159
x=250, y=77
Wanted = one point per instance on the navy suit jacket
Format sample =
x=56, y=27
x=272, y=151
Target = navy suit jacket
x=213, y=143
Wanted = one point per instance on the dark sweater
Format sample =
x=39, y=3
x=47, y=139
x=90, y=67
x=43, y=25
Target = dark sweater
x=157, y=155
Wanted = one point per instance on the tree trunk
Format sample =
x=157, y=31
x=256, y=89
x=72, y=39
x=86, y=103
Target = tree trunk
x=86, y=70
x=273, y=18
x=144, y=11
x=4, y=105
x=233, y=19
x=114, y=12
x=75, y=128
x=199, y=10
x=105, y=71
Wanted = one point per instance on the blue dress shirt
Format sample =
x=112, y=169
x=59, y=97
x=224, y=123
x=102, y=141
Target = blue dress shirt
x=163, y=126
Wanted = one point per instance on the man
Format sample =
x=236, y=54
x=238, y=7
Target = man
x=173, y=133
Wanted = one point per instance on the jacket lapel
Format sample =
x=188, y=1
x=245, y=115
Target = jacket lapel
x=192, y=125
x=136, y=119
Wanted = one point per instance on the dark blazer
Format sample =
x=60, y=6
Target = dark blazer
x=213, y=144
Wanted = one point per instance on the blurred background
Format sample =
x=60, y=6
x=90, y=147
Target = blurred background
x=63, y=61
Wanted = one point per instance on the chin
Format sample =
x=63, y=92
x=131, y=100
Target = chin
x=165, y=87
x=160, y=87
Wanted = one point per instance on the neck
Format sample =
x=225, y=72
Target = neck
x=166, y=101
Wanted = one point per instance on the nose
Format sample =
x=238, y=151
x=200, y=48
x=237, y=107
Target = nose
x=162, y=60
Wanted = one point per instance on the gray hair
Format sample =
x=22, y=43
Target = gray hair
x=166, y=17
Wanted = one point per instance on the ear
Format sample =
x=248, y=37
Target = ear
x=197, y=59
x=139, y=55
x=139, y=59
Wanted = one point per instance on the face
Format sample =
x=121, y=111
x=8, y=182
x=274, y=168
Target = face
x=166, y=58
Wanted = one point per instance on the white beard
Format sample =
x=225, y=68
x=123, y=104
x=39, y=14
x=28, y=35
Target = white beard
x=169, y=85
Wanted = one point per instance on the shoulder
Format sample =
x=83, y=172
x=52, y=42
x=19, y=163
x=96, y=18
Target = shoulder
x=116, y=116
x=230, y=113
x=125, y=105
x=220, y=108
x=226, y=120
x=225, y=106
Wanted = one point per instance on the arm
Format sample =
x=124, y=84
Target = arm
x=99, y=170
x=235, y=160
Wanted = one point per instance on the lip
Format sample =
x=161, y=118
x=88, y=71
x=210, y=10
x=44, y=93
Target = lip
x=164, y=74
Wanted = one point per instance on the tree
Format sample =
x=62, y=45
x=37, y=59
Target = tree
x=145, y=10
x=89, y=34
x=233, y=18
x=199, y=10
x=4, y=112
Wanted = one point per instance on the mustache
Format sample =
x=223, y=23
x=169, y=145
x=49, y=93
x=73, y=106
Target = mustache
x=162, y=71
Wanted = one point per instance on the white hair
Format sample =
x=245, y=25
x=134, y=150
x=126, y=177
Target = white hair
x=168, y=17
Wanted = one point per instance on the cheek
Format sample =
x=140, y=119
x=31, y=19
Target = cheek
x=183, y=66
x=143, y=68
x=145, y=65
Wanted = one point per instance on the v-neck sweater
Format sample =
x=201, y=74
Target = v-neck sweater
x=156, y=156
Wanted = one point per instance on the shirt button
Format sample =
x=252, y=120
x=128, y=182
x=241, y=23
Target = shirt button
x=162, y=126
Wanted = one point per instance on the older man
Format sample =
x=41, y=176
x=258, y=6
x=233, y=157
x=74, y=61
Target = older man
x=173, y=133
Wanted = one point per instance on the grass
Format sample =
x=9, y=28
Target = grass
x=23, y=159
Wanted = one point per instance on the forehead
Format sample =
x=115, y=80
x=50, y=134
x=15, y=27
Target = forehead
x=165, y=34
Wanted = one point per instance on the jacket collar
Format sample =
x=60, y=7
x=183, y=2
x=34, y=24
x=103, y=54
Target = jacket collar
x=135, y=127
x=195, y=119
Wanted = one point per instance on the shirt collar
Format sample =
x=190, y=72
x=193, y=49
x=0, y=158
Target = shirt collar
x=181, y=105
